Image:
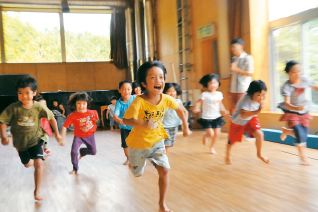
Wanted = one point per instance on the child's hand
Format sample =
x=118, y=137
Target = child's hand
x=300, y=107
x=225, y=112
x=58, y=137
x=62, y=142
x=151, y=124
x=186, y=131
x=106, y=117
x=196, y=110
x=261, y=106
x=121, y=122
x=5, y=140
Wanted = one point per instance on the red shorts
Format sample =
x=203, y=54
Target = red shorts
x=234, y=98
x=236, y=131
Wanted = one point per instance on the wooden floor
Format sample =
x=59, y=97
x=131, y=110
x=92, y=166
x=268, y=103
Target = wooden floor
x=199, y=181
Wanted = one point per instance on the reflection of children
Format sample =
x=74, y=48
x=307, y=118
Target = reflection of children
x=28, y=136
x=84, y=121
x=171, y=120
x=110, y=112
x=136, y=89
x=46, y=126
x=296, y=107
x=245, y=119
x=145, y=114
x=211, y=119
x=121, y=106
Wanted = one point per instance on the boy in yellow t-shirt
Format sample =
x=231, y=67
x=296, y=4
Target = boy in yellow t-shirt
x=145, y=115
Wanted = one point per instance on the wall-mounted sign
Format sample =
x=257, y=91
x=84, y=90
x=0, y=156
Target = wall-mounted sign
x=207, y=31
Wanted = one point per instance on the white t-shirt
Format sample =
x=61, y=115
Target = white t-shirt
x=211, y=105
x=247, y=104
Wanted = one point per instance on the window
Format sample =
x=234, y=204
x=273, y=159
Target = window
x=298, y=42
x=32, y=37
x=87, y=37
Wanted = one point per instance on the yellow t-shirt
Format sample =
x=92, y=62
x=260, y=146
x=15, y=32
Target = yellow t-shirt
x=141, y=137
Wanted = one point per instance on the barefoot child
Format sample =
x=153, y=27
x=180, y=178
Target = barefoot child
x=296, y=107
x=110, y=112
x=171, y=120
x=211, y=119
x=245, y=119
x=46, y=126
x=145, y=114
x=27, y=134
x=84, y=121
x=121, y=106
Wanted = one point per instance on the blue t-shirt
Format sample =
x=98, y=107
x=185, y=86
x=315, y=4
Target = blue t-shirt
x=121, y=108
x=171, y=118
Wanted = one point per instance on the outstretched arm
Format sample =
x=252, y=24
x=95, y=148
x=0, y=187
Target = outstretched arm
x=63, y=140
x=223, y=110
x=184, y=119
x=197, y=106
x=53, y=123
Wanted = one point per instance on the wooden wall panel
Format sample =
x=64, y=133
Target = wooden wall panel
x=51, y=77
x=80, y=76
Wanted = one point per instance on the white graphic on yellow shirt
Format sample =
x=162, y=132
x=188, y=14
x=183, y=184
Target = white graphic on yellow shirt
x=26, y=121
x=86, y=123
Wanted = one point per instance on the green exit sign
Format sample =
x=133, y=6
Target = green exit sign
x=207, y=31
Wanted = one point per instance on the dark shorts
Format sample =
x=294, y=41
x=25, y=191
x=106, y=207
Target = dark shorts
x=35, y=152
x=212, y=123
x=124, y=134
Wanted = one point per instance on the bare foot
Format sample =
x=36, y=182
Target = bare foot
x=228, y=161
x=126, y=163
x=204, y=141
x=73, y=172
x=305, y=162
x=163, y=208
x=264, y=159
x=286, y=132
x=213, y=151
x=80, y=157
x=37, y=196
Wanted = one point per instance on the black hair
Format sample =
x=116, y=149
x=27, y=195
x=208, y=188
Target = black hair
x=25, y=82
x=135, y=85
x=175, y=85
x=112, y=98
x=208, y=78
x=256, y=86
x=123, y=82
x=143, y=71
x=237, y=40
x=79, y=96
x=290, y=64
x=39, y=98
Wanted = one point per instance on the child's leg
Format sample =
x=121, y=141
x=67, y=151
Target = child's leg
x=38, y=173
x=228, y=154
x=259, y=135
x=208, y=134
x=301, y=134
x=286, y=132
x=74, y=153
x=124, y=134
x=163, y=187
x=215, y=137
x=126, y=151
x=91, y=146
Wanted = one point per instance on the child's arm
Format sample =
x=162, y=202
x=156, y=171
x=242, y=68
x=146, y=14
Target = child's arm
x=62, y=108
x=197, y=106
x=4, y=138
x=184, y=119
x=135, y=122
x=119, y=120
x=186, y=113
x=292, y=107
x=63, y=140
x=53, y=123
x=315, y=87
x=223, y=110
x=246, y=113
x=107, y=114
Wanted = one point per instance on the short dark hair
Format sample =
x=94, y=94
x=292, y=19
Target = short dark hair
x=79, y=96
x=39, y=98
x=123, y=82
x=143, y=71
x=208, y=78
x=256, y=86
x=112, y=98
x=25, y=82
x=173, y=84
x=237, y=40
x=135, y=84
x=290, y=64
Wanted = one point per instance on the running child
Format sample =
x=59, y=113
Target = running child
x=121, y=106
x=296, y=107
x=211, y=119
x=84, y=121
x=110, y=112
x=27, y=134
x=145, y=114
x=245, y=119
x=171, y=120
